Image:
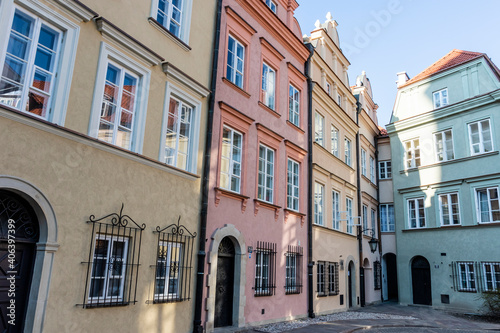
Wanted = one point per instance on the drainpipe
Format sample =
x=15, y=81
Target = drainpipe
x=310, y=262
x=360, y=226
x=378, y=220
x=197, y=327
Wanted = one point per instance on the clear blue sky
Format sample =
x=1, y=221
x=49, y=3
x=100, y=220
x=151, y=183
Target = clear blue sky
x=384, y=37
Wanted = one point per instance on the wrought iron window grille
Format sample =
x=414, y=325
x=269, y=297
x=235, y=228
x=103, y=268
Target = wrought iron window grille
x=265, y=269
x=174, y=263
x=377, y=275
x=293, y=273
x=113, y=261
x=321, y=278
x=472, y=276
x=333, y=278
x=327, y=278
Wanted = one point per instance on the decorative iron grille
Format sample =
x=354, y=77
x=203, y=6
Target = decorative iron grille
x=293, y=273
x=333, y=278
x=320, y=278
x=17, y=212
x=265, y=269
x=174, y=263
x=327, y=278
x=113, y=261
x=377, y=275
x=474, y=276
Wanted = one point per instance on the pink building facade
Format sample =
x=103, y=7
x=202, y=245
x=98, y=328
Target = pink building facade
x=256, y=236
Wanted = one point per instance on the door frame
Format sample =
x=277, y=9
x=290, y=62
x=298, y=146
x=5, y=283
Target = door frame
x=412, y=284
x=232, y=258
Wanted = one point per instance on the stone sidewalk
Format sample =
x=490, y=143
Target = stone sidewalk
x=425, y=317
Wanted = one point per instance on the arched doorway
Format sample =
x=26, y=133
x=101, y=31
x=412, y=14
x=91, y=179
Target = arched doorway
x=391, y=276
x=224, y=289
x=19, y=233
x=421, y=281
x=350, y=283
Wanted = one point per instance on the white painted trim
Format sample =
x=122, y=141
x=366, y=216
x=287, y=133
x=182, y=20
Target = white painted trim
x=181, y=78
x=440, y=208
x=186, y=21
x=77, y=9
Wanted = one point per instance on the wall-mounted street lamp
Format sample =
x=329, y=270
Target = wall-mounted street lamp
x=372, y=242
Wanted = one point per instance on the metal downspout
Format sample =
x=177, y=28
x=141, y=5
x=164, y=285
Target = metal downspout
x=359, y=228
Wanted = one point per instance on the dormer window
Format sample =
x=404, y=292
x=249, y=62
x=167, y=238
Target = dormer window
x=440, y=98
x=271, y=4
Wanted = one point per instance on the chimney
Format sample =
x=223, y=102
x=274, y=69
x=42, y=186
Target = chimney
x=402, y=78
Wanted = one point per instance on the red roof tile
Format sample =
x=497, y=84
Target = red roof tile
x=454, y=58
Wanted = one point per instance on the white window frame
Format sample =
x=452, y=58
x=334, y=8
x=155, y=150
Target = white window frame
x=373, y=218
x=185, y=19
x=489, y=201
x=385, y=170
x=166, y=294
x=386, y=222
x=449, y=204
x=363, y=162
x=291, y=272
x=419, y=204
x=441, y=146
x=335, y=210
x=320, y=278
x=335, y=141
x=231, y=162
x=111, y=240
x=328, y=89
x=67, y=51
x=268, y=86
x=339, y=99
x=172, y=91
x=470, y=281
x=262, y=188
x=109, y=54
x=293, y=185
x=272, y=5
x=294, y=105
x=365, y=220
x=234, y=65
x=347, y=151
x=411, y=161
x=319, y=204
x=492, y=277
x=481, y=143
x=262, y=288
x=319, y=129
x=349, y=218
x=440, y=98
x=372, y=170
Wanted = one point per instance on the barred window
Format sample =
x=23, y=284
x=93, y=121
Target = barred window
x=333, y=278
x=377, y=275
x=491, y=271
x=465, y=276
x=113, y=261
x=320, y=275
x=265, y=269
x=293, y=274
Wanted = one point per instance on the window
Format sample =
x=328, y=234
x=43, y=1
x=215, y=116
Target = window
x=466, y=276
x=271, y=4
x=292, y=190
x=449, y=209
x=488, y=205
x=440, y=98
x=170, y=15
x=36, y=67
x=266, y=174
x=363, y=162
x=169, y=266
x=108, y=269
x=230, y=174
x=178, y=138
x=336, y=210
x=491, y=271
x=319, y=194
x=385, y=170
x=293, y=270
x=387, y=218
x=416, y=213
x=372, y=170
x=444, y=146
x=374, y=222
x=377, y=275
x=365, y=220
x=328, y=89
x=347, y=151
x=268, y=85
x=235, y=61
x=335, y=141
x=294, y=105
x=350, y=224
x=319, y=123
x=480, y=137
x=339, y=100
x=265, y=269
x=333, y=278
x=320, y=278
x=412, y=153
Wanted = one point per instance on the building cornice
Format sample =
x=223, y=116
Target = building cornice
x=78, y=9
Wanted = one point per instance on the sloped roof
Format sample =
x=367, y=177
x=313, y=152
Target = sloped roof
x=452, y=59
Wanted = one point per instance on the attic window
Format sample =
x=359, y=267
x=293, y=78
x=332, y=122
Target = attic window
x=440, y=98
x=271, y=4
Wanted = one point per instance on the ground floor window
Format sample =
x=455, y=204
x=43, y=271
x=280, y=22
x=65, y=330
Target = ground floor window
x=265, y=269
x=293, y=273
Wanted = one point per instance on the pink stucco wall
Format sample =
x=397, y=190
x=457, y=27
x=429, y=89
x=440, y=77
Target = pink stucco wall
x=256, y=27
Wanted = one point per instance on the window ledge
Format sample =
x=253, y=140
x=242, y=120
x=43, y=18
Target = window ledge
x=457, y=160
x=295, y=127
x=268, y=109
x=296, y=213
x=334, y=230
x=79, y=9
x=170, y=35
x=235, y=87
x=338, y=158
x=230, y=194
x=258, y=203
x=384, y=179
x=457, y=226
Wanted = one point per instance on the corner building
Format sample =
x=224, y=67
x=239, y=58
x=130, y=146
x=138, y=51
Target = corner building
x=256, y=232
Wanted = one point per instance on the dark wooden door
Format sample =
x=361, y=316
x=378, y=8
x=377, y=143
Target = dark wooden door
x=392, y=276
x=225, y=285
x=421, y=281
x=349, y=283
